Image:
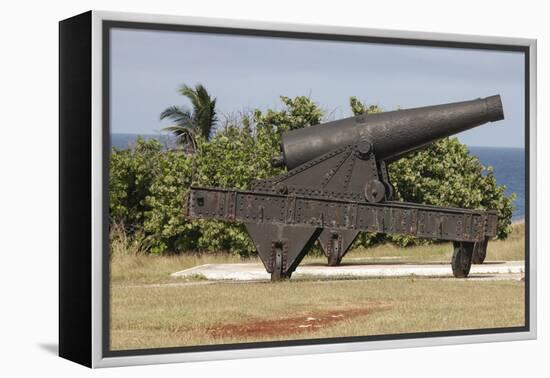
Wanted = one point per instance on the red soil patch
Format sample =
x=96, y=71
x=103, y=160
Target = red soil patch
x=309, y=322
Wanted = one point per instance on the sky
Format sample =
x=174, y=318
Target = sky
x=246, y=72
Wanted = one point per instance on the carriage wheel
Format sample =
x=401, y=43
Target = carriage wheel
x=278, y=273
x=462, y=259
x=480, y=252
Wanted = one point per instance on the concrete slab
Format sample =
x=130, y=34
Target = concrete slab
x=254, y=272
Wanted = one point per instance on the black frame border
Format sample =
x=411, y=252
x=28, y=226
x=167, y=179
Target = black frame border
x=108, y=25
x=75, y=189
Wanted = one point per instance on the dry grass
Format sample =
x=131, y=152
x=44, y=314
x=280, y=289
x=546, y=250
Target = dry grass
x=150, y=309
x=144, y=269
x=198, y=313
x=122, y=244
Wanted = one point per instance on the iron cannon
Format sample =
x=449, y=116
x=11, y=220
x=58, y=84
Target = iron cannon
x=337, y=185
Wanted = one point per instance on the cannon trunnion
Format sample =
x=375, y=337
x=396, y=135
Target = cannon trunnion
x=338, y=185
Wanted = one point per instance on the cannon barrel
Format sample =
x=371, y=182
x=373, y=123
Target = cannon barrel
x=392, y=134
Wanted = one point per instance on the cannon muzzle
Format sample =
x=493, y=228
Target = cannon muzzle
x=390, y=134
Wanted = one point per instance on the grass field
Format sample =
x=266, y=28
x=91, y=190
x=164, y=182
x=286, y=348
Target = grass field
x=150, y=309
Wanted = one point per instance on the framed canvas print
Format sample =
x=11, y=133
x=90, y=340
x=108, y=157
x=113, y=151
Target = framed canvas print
x=234, y=189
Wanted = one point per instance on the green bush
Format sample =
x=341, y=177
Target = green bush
x=131, y=175
x=146, y=192
x=164, y=222
x=445, y=174
x=148, y=184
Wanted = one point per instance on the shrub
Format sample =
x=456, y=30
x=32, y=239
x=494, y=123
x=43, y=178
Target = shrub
x=445, y=174
x=131, y=175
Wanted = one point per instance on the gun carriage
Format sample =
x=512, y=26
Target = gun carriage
x=337, y=185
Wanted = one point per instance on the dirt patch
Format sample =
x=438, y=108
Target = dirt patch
x=309, y=322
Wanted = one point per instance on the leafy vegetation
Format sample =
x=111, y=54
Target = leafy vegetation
x=148, y=183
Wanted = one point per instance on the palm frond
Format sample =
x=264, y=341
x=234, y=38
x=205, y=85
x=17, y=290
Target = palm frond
x=179, y=129
x=191, y=94
x=205, y=111
x=185, y=135
x=203, y=117
x=178, y=115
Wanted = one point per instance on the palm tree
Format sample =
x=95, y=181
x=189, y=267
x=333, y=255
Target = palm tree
x=187, y=125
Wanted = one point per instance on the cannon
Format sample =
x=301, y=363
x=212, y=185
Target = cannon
x=337, y=185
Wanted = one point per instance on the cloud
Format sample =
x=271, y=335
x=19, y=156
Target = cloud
x=248, y=72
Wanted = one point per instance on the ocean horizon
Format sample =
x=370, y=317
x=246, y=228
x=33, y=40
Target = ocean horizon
x=508, y=164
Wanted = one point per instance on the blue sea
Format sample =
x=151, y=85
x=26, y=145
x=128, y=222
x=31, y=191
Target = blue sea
x=123, y=141
x=508, y=165
x=509, y=169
